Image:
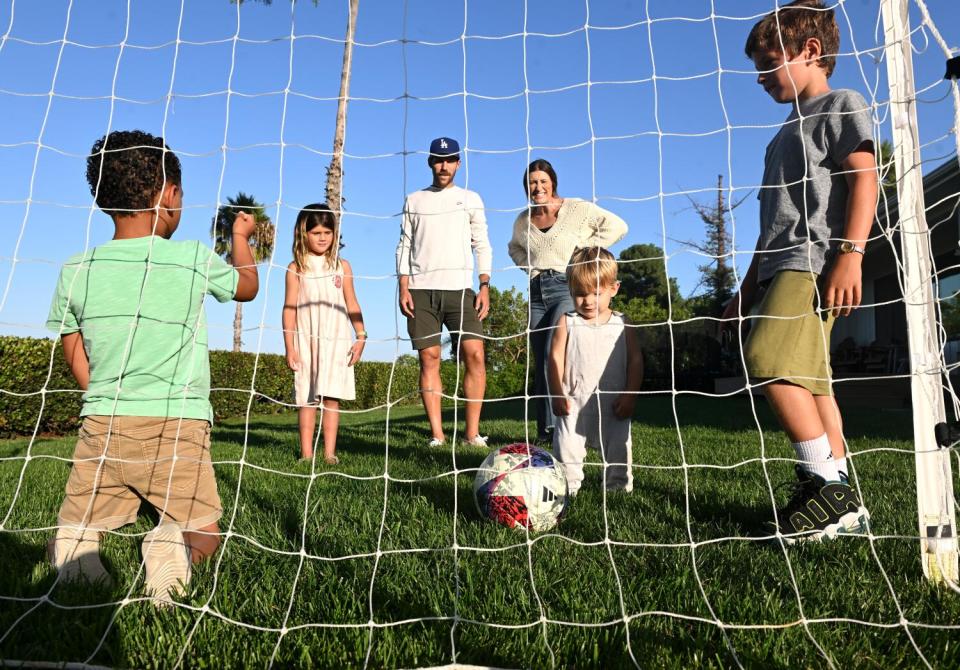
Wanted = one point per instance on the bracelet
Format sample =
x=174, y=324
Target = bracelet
x=361, y=334
x=484, y=283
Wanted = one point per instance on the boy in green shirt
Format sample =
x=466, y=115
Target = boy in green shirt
x=130, y=316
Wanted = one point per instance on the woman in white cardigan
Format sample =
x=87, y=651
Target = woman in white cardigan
x=545, y=235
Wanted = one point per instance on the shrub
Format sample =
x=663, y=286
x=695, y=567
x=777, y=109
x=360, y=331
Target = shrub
x=23, y=378
x=25, y=388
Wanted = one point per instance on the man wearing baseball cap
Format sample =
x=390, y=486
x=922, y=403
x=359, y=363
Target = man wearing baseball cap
x=443, y=227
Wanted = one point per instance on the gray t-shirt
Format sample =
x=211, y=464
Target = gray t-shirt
x=803, y=201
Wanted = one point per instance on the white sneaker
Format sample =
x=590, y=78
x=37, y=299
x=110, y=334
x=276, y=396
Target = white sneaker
x=436, y=442
x=477, y=441
x=75, y=553
x=166, y=558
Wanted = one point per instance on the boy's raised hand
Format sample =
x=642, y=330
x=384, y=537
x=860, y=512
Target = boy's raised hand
x=241, y=257
x=244, y=224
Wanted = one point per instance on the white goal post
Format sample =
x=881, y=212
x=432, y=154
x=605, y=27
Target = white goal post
x=935, y=501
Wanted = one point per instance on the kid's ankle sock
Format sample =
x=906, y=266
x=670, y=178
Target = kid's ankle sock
x=816, y=458
x=842, y=467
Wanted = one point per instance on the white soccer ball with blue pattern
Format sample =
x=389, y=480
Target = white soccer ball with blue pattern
x=521, y=486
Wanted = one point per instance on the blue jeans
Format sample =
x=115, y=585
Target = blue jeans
x=549, y=299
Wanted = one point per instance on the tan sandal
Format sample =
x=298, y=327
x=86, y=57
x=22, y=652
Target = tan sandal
x=331, y=460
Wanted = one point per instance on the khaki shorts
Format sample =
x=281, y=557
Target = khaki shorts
x=138, y=465
x=453, y=309
x=794, y=347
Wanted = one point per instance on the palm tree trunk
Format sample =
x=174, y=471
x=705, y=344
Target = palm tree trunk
x=237, y=326
x=335, y=172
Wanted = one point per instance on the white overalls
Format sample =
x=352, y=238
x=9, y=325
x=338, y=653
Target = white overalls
x=595, y=358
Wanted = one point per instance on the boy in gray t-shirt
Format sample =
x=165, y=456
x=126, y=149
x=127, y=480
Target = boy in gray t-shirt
x=816, y=209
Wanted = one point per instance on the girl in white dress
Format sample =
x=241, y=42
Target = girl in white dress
x=320, y=316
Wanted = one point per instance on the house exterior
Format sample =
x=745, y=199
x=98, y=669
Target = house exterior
x=882, y=318
x=871, y=342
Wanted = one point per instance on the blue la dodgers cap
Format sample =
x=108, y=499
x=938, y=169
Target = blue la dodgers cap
x=443, y=147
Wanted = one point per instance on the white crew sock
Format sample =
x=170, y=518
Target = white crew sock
x=842, y=466
x=816, y=458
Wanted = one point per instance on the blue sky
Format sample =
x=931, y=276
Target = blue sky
x=672, y=102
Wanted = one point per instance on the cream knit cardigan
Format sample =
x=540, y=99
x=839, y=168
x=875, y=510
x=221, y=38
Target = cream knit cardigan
x=580, y=223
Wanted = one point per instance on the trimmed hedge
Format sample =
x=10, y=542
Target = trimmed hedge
x=24, y=365
x=231, y=375
x=26, y=361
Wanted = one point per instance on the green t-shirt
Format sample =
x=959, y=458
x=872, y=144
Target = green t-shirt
x=138, y=304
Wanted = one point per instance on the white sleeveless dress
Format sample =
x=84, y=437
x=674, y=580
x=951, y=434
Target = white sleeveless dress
x=324, y=335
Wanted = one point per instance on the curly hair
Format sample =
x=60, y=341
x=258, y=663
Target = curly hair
x=126, y=171
x=794, y=24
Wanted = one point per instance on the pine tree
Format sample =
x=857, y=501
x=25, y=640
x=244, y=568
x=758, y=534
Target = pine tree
x=717, y=276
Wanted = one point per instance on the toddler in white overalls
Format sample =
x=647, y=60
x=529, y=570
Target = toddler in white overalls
x=595, y=372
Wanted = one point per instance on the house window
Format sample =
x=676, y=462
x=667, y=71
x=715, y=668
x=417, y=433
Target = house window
x=948, y=292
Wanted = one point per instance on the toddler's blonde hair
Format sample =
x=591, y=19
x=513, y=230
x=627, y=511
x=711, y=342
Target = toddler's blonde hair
x=589, y=268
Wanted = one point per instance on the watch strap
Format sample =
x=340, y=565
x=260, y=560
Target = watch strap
x=848, y=247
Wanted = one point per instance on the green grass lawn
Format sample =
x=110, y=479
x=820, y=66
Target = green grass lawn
x=383, y=560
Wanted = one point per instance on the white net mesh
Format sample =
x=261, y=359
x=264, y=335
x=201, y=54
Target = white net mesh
x=383, y=560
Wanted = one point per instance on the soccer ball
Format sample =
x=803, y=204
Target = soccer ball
x=521, y=486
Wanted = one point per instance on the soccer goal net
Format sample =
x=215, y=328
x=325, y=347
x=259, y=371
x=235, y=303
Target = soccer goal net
x=650, y=112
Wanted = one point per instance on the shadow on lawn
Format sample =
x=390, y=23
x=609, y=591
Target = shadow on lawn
x=34, y=631
x=737, y=414
x=720, y=413
x=286, y=512
x=724, y=516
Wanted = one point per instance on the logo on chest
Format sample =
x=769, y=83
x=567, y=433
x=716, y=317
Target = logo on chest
x=338, y=281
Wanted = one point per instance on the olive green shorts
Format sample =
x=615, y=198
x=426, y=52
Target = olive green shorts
x=789, y=338
x=434, y=309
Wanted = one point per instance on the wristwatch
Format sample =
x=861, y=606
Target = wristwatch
x=848, y=247
x=483, y=283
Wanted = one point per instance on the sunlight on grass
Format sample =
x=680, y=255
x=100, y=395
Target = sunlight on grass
x=611, y=584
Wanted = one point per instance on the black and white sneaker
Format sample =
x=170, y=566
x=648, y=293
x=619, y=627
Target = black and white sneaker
x=818, y=509
x=860, y=524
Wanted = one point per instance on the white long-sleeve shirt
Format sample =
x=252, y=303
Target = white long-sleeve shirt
x=439, y=234
x=580, y=223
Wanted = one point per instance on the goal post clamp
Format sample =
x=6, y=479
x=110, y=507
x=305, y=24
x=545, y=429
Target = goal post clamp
x=947, y=434
x=953, y=68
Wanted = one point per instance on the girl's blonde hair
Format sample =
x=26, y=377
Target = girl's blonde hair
x=589, y=268
x=309, y=218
